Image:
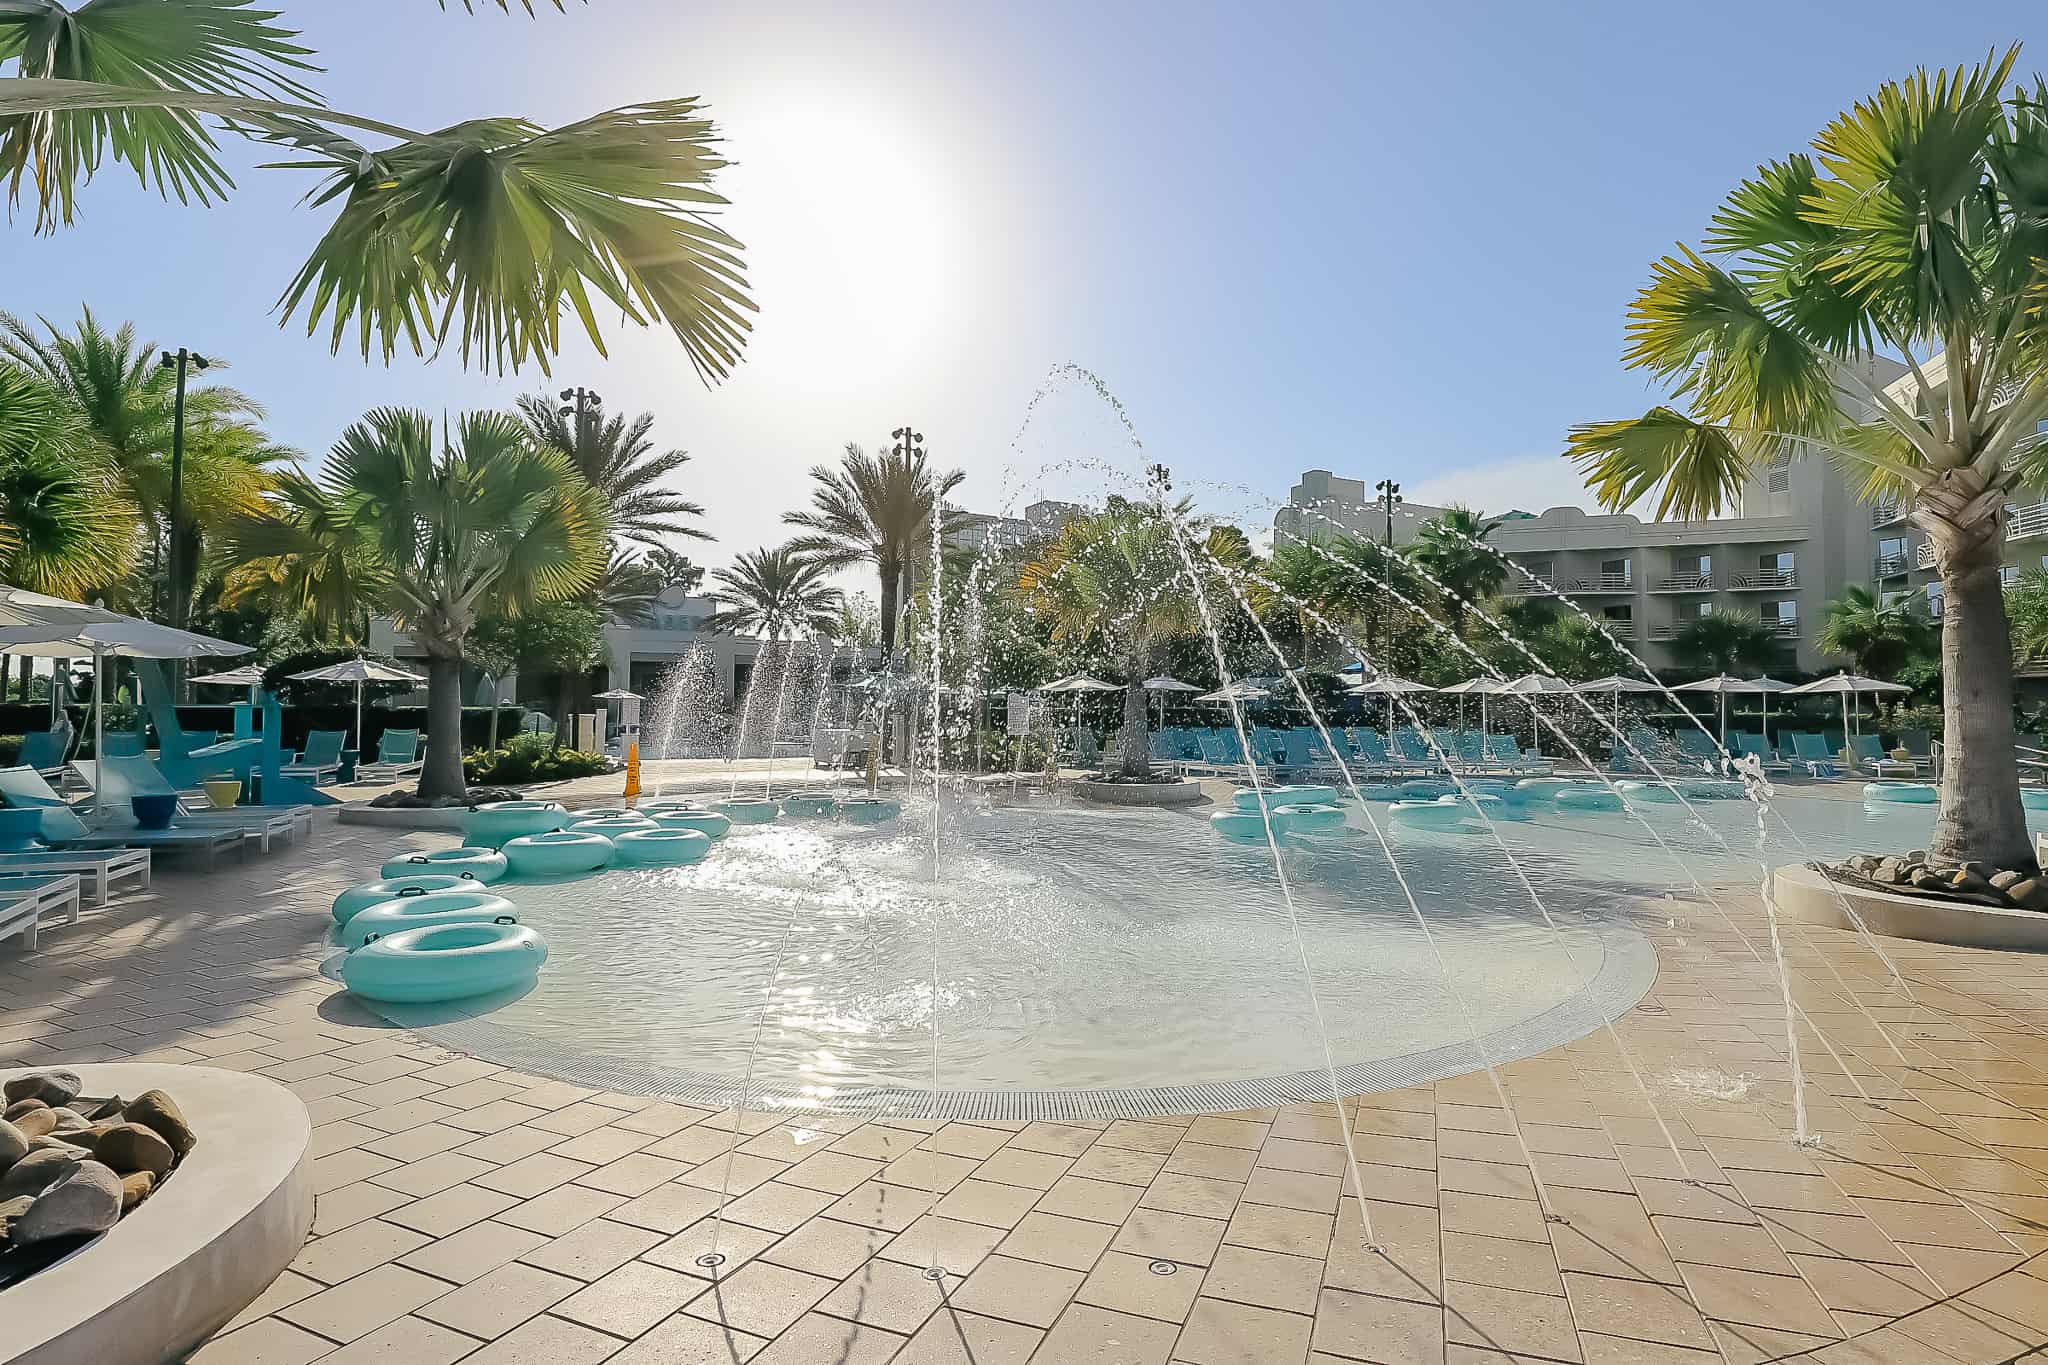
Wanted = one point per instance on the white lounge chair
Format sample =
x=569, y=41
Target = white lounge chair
x=26, y=901
x=97, y=868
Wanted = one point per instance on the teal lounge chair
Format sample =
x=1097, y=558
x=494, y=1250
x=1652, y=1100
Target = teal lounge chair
x=1409, y=745
x=1504, y=751
x=24, y=788
x=45, y=749
x=26, y=901
x=1870, y=754
x=398, y=752
x=320, y=758
x=118, y=780
x=1811, y=752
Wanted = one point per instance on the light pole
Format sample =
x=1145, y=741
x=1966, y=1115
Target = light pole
x=1390, y=498
x=178, y=363
x=577, y=404
x=909, y=447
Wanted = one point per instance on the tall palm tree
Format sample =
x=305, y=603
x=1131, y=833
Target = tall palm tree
x=66, y=527
x=488, y=523
x=874, y=510
x=1878, y=636
x=674, y=568
x=325, y=571
x=1116, y=580
x=626, y=590
x=618, y=460
x=775, y=592
x=491, y=229
x=1914, y=229
x=1449, y=547
x=1726, y=642
x=2026, y=606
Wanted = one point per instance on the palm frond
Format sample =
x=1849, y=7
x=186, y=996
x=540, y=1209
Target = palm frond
x=1699, y=466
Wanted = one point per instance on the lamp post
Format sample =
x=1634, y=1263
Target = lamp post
x=1390, y=498
x=578, y=404
x=178, y=363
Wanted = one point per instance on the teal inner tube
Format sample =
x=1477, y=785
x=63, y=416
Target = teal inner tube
x=495, y=823
x=357, y=899
x=658, y=847
x=1380, y=791
x=558, y=853
x=473, y=864
x=869, y=810
x=706, y=822
x=1585, y=796
x=1309, y=819
x=1910, y=794
x=2033, y=798
x=1712, y=789
x=610, y=826
x=602, y=812
x=445, y=962
x=1427, y=814
x=1274, y=797
x=742, y=811
x=1541, y=788
x=417, y=912
x=1490, y=786
x=810, y=806
x=1424, y=789
x=1661, y=793
x=1243, y=826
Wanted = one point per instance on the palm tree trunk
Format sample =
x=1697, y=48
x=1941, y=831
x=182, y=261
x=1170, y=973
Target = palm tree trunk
x=892, y=578
x=1134, y=747
x=442, y=773
x=1979, y=815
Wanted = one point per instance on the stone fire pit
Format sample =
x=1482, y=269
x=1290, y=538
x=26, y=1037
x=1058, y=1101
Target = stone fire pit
x=135, y=1227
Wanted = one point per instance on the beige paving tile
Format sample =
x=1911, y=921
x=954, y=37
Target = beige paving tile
x=1744, y=1296
x=683, y=1340
x=630, y=1175
x=818, y=1337
x=825, y=1246
x=760, y=1299
x=499, y=1300
x=473, y=1252
x=408, y=1341
x=736, y=1242
x=775, y=1206
x=981, y=1201
x=1130, y=1284
x=1195, y=1195
x=1212, y=1162
x=1501, y=1263
x=1063, y=1139
x=631, y=1299
x=889, y=1295
x=359, y=1306
x=548, y=1341
x=592, y=1250
x=1021, y=1291
x=957, y=1246
x=1055, y=1240
x=1222, y=1333
x=1087, y=1335
x=532, y=1175
x=1158, y=1234
x=453, y=1209
x=835, y=1172
x=562, y=1209
x=353, y=1250
x=1509, y=1320
x=666, y=1208
x=338, y=1208
x=1102, y=1201
x=950, y=1337
x=1293, y=1231
x=267, y=1341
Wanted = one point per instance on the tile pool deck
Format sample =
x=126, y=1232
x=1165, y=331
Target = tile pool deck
x=467, y=1212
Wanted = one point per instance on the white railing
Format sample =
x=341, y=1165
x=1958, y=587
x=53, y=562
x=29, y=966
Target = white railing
x=1620, y=630
x=1687, y=582
x=1535, y=585
x=1764, y=578
x=2023, y=522
x=1885, y=512
x=1924, y=556
x=1889, y=566
x=1602, y=582
x=1666, y=630
x=1783, y=628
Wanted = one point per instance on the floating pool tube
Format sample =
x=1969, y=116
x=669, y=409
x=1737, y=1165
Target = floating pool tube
x=445, y=962
x=1541, y=788
x=1662, y=793
x=810, y=807
x=1490, y=786
x=1907, y=794
x=496, y=822
x=471, y=864
x=1380, y=791
x=1712, y=789
x=1427, y=814
x=869, y=810
x=658, y=847
x=1243, y=826
x=420, y=912
x=357, y=899
x=558, y=853
x=1586, y=796
x=610, y=826
x=742, y=811
x=602, y=813
x=706, y=822
x=1424, y=789
x=1275, y=797
x=1308, y=819
x=2034, y=798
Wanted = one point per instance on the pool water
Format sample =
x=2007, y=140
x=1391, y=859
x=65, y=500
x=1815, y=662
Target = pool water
x=1092, y=963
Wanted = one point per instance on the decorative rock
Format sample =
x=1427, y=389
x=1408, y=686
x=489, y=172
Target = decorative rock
x=2029, y=893
x=70, y=1120
x=51, y=1087
x=20, y=1107
x=135, y=1187
x=97, y=1110
x=1889, y=870
x=10, y=1214
x=130, y=1147
x=1964, y=882
x=155, y=1110
x=86, y=1201
x=36, y=1123
x=1926, y=879
x=13, y=1144
x=53, y=1143
x=36, y=1172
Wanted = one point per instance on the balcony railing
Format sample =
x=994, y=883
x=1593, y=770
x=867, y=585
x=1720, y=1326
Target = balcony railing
x=2025, y=522
x=1665, y=630
x=1534, y=585
x=1923, y=557
x=1886, y=512
x=1602, y=582
x=1764, y=578
x=1686, y=582
x=1783, y=627
x=1889, y=566
x=1619, y=629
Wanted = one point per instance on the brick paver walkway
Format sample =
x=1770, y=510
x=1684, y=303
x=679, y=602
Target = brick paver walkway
x=470, y=1213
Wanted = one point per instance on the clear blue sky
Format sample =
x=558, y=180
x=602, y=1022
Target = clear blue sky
x=1373, y=238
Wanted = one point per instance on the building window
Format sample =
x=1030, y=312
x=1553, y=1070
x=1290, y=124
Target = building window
x=1545, y=569
x=1778, y=474
x=1703, y=609
x=1614, y=570
x=1934, y=599
x=1781, y=562
x=1698, y=568
x=2008, y=574
x=1618, y=613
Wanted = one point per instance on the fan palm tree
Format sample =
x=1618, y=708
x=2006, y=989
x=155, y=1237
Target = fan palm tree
x=1878, y=636
x=616, y=458
x=626, y=590
x=875, y=510
x=66, y=527
x=490, y=229
x=1450, y=548
x=327, y=573
x=1116, y=581
x=1726, y=642
x=488, y=524
x=775, y=592
x=1915, y=228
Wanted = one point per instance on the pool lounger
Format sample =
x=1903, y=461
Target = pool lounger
x=138, y=776
x=25, y=900
x=97, y=869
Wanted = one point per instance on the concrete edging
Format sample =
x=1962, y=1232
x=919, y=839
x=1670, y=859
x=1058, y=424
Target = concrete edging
x=1185, y=792
x=199, y=1251
x=1810, y=898
x=446, y=818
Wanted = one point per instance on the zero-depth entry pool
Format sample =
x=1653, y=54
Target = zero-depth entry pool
x=1103, y=963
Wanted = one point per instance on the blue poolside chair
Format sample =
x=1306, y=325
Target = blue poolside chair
x=1870, y=753
x=119, y=780
x=1504, y=751
x=1811, y=752
x=398, y=752
x=320, y=758
x=45, y=750
x=1697, y=748
x=1750, y=744
x=24, y=788
x=1372, y=750
x=1407, y=742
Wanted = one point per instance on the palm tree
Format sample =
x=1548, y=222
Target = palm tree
x=495, y=224
x=1116, y=580
x=1878, y=636
x=1448, y=546
x=489, y=524
x=2026, y=607
x=1726, y=642
x=618, y=460
x=66, y=526
x=775, y=592
x=626, y=590
x=1915, y=228
x=327, y=574
x=874, y=510
x=674, y=569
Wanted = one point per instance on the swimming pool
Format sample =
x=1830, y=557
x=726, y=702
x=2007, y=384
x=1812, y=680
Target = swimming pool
x=1098, y=964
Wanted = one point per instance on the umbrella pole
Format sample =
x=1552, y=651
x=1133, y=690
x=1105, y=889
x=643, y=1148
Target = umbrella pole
x=99, y=726
x=1724, y=720
x=359, y=717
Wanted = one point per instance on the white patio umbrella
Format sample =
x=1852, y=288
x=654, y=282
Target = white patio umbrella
x=1845, y=685
x=1077, y=683
x=1763, y=687
x=1613, y=685
x=117, y=637
x=1534, y=685
x=1479, y=687
x=1388, y=686
x=1163, y=685
x=248, y=675
x=1237, y=691
x=358, y=671
x=1722, y=686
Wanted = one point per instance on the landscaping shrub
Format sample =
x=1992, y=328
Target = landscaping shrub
x=529, y=758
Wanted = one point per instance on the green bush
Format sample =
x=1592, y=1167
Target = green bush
x=528, y=758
